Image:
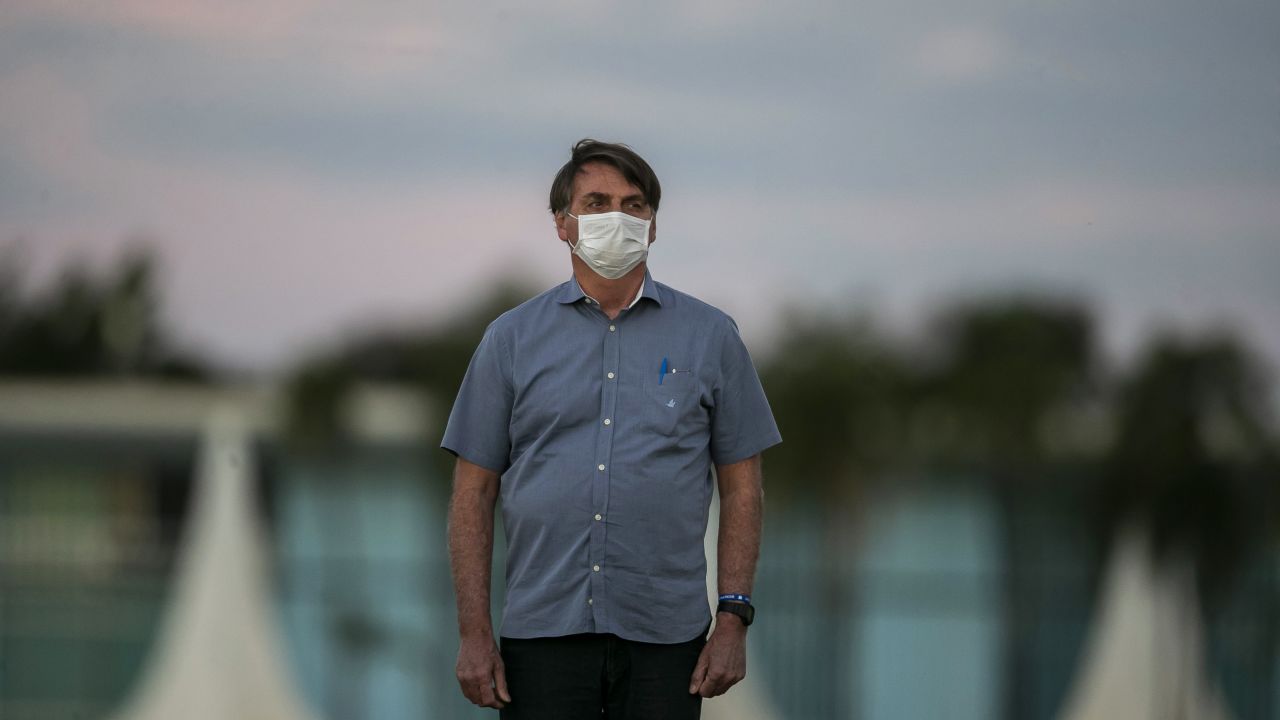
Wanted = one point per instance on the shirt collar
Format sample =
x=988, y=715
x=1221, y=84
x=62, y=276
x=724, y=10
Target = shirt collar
x=571, y=292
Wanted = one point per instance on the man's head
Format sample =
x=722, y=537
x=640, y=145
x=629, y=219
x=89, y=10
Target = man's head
x=621, y=158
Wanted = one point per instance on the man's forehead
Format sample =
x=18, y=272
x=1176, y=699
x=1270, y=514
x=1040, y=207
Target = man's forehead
x=596, y=178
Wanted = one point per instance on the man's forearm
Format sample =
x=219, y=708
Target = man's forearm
x=475, y=491
x=741, y=518
x=723, y=661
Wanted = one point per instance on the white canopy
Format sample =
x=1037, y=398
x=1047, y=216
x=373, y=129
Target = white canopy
x=1145, y=657
x=218, y=655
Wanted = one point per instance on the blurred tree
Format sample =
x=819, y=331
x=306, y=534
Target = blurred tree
x=1194, y=465
x=984, y=398
x=1000, y=374
x=1194, y=458
x=10, y=285
x=431, y=359
x=837, y=390
x=89, y=325
x=1003, y=370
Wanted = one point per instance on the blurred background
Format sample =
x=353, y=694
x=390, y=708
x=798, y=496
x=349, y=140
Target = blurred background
x=1007, y=270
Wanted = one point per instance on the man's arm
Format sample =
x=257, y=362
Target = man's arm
x=724, y=659
x=480, y=670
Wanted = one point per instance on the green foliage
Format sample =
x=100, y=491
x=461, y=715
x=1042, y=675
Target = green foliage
x=315, y=394
x=1193, y=452
x=1194, y=456
x=88, y=324
x=854, y=405
x=1003, y=368
x=835, y=389
x=431, y=358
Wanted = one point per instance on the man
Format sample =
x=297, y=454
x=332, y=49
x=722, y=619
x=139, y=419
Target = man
x=595, y=411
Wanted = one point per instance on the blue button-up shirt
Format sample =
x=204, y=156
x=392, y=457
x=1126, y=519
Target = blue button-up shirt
x=604, y=433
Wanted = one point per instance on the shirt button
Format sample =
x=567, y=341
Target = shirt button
x=588, y=601
x=595, y=568
x=599, y=516
x=613, y=328
x=600, y=467
x=610, y=376
x=607, y=421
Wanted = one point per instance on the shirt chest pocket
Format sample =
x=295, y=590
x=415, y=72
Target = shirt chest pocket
x=672, y=406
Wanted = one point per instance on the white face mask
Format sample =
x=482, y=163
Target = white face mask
x=611, y=243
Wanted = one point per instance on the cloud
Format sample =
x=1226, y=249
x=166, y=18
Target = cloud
x=308, y=164
x=47, y=131
x=959, y=54
x=254, y=22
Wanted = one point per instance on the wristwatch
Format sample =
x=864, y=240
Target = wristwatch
x=745, y=611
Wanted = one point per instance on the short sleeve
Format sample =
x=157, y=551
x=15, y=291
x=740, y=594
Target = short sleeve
x=742, y=424
x=478, y=429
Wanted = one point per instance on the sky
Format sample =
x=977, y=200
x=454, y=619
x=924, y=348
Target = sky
x=308, y=169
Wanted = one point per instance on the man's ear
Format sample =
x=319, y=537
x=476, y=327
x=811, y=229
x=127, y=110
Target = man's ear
x=560, y=219
x=653, y=230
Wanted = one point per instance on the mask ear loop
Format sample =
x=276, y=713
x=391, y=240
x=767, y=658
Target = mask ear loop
x=571, y=245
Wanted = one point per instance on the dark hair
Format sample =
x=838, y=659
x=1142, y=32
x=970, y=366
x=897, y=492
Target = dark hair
x=632, y=166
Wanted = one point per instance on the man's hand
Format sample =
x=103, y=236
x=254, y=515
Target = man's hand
x=723, y=661
x=481, y=674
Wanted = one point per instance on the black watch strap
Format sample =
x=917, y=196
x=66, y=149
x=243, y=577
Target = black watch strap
x=745, y=611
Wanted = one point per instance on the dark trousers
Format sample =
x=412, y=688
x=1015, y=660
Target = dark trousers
x=595, y=676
